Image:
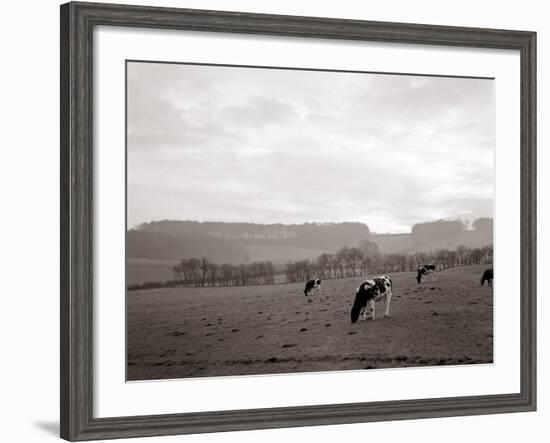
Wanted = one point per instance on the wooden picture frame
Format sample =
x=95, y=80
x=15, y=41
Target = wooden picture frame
x=77, y=23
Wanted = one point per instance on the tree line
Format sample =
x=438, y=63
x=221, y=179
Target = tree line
x=362, y=260
x=202, y=272
x=367, y=260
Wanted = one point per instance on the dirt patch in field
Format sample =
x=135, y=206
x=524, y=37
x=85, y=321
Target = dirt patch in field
x=197, y=332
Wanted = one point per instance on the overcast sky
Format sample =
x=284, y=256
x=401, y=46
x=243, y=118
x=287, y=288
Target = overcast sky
x=289, y=146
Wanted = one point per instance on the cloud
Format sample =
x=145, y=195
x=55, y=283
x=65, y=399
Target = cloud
x=258, y=112
x=288, y=146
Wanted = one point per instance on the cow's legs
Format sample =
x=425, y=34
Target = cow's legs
x=372, y=308
x=433, y=276
x=387, y=302
x=363, y=313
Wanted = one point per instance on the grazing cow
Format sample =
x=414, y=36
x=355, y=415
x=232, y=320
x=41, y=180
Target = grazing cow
x=367, y=293
x=311, y=285
x=487, y=276
x=423, y=271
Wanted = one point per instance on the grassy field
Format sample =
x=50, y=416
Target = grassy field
x=196, y=332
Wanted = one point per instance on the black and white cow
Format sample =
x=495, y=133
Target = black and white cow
x=424, y=271
x=311, y=285
x=367, y=293
x=487, y=276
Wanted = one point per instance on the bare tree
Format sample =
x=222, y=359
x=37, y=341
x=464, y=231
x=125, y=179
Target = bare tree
x=355, y=255
x=204, y=268
x=226, y=272
x=461, y=255
x=324, y=265
x=342, y=258
x=243, y=275
x=177, y=271
x=213, y=270
x=290, y=271
x=194, y=264
x=270, y=273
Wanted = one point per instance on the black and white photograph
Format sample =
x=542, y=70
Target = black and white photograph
x=284, y=220
x=229, y=221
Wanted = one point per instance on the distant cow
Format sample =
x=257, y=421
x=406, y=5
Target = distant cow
x=369, y=292
x=424, y=271
x=487, y=276
x=311, y=285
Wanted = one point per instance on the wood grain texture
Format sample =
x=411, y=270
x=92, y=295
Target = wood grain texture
x=76, y=118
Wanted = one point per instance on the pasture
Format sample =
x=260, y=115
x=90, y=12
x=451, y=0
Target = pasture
x=198, y=332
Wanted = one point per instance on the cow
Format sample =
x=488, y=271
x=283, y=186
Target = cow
x=311, y=285
x=423, y=271
x=487, y=276
x=369, y=292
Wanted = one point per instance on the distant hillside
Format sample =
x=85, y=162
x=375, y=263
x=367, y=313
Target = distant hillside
x=239, y=242
x=393, y=243
x=425, y=237
x=282, y=254
x=246, y=242
x=159, y=245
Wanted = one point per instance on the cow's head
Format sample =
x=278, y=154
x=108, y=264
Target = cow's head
x=359, y=302
x=355, y=312
x=419, y=276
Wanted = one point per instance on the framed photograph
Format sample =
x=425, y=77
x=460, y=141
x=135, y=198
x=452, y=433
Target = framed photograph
x=272, y=221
